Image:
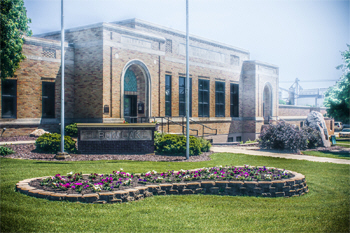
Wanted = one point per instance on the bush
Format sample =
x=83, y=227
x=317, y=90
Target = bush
x=5, y=150
x=172, y=144
x=205, y=145
x=313, y=137
x=283, y=136
x=51, y=143
x=71, y=130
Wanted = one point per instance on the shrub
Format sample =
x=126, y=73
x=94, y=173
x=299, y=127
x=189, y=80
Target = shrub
x=313, y=137
x=71, y=130
x=5, y=150
x=205, y=145
x=283, y=136
x=52, y=143
x=172, y=144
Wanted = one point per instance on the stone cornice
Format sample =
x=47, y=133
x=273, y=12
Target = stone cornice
x=44, y=42
x=175, y=32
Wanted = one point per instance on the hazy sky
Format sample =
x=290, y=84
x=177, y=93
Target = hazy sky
x=303, y=37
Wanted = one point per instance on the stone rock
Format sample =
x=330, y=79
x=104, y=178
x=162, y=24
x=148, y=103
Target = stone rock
x=38, y=133
x=315, y=120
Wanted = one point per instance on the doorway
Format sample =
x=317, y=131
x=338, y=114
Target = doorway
x=130, y=108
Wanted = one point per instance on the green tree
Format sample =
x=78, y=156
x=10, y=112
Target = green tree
x=14, y=25
x=337, y=97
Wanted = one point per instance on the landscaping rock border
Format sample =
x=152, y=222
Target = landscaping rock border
x=291, y=187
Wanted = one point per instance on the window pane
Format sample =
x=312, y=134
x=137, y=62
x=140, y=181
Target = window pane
x=206, y=110
x=130, y=82
x=9, y=98
x=167, y=95
x=234, y=100
x=182, y=97
x=219, y=99
x=48, y=99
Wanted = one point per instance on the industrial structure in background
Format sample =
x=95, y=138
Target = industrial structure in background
x=296, y=95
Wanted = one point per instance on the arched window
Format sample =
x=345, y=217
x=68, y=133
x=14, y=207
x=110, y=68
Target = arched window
x=130, y=83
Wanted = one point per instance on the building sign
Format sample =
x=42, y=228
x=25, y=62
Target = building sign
x=203, y=53
x=136, y=42
x=115, y=135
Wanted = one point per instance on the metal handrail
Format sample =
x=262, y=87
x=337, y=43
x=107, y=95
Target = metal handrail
x=168, y=121
x=216, y=130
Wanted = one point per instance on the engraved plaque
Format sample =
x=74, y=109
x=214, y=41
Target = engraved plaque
x=203, y=53
x=115, y=135
x=136, y=42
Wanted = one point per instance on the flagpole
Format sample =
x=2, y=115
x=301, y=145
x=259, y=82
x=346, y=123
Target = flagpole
x=62, y=78
x=62, y=154
x=187, y=89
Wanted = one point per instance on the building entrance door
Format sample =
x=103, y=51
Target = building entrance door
x=130, y=108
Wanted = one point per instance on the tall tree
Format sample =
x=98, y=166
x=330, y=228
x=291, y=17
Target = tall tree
x=338, y=96
x=14, y=25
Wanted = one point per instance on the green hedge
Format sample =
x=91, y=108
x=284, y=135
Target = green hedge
x=172, y=144
x=51, y=143
x=71, y=130
x=5, y=150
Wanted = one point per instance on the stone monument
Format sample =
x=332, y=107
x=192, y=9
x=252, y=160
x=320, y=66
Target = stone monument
x=315, y=120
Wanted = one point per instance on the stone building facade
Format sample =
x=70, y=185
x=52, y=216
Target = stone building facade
x=134, y=71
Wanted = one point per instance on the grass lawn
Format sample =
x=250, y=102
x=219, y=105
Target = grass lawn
x=324, y=209
x=343, y=143
x=329, y=155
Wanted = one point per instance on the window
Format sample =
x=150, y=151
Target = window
x=9, y=98
x=182, y=97
x=219, y=99
x=130, y=82
x=167, y=95
x=234, y=102
x=48, y=98
x=230, y=139
x=168, y=46
x=48, y=52
x=203, y=98
x=238, y=139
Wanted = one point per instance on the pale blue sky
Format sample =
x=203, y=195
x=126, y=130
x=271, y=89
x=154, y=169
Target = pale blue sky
x=303, y=37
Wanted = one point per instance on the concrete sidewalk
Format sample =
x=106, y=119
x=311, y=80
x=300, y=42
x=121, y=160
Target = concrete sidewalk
x=255, y=151
x=16, y=143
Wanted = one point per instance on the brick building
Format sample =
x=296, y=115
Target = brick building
x=134, y=70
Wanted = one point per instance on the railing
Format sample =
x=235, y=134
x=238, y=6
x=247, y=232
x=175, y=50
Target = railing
x=131, y=119
x=147, y=119
x=204, y=126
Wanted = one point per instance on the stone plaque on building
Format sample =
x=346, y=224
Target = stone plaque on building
x=115, y=135
x=116, y=138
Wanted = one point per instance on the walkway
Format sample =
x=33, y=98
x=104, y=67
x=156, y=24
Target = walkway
x=255, y=151
x=16, y=143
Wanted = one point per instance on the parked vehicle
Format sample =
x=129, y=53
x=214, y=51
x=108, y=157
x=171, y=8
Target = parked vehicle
x=345, y=133
x=338, y=126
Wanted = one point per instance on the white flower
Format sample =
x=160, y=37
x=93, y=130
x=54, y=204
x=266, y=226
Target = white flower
x=121, y=169
x=70, y=173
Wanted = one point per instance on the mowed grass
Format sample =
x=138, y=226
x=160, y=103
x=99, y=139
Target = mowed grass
x=324, y=209
x=343, y=143
x=329, y=155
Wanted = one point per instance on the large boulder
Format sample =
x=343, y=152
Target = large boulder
x=315, y=120
x=38, y=133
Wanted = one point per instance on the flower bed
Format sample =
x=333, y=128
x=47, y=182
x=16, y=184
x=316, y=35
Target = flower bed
x=120, y=186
